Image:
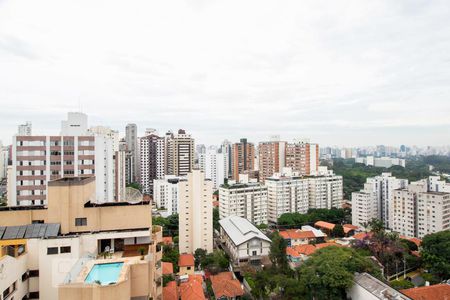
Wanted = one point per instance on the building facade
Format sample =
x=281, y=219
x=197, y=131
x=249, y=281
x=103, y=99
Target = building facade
x=131, y=140
x=195, y=213
x=243, y=158
x=271, y=158
x=246, y=199
x=179, y=153
x=214, y=163
x=302, y=157
x=152, y=165
x=166, y=193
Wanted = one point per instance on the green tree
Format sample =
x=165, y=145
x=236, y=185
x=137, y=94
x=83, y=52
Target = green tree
x=338, y=231
x=411, y=246
x=167, y=278
x=216, y=218
x=328, y=273
x=200, y=257
x=135, y=185
x=277, y=253
x=401, y=284
x=171, y=254
x=436, y=253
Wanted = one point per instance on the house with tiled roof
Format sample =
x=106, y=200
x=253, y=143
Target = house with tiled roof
x=226, y=286
x=167, y=268
x=295, y=237
x=186, y=264
x=432, y=292
x=170, y=291
x=300, y=253
x=192, y=289
x=349, y=229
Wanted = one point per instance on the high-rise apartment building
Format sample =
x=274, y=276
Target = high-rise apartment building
x=214, y=163
x=246, y=199
x=290, y=192
x=302, y=157
x=4, y=154
x=374, y=200
x=131, y=141
x=243, y=158
x=179, y=153
x=165, y=193
x=418, y=210
x=39, y=159
x=195, y=213
x=25, y=129
x=271, y=158
x=152, y=165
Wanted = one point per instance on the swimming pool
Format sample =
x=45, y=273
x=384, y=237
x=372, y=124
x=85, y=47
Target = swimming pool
x=104, y=273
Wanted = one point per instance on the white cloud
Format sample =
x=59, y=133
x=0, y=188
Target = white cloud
x=341, y=72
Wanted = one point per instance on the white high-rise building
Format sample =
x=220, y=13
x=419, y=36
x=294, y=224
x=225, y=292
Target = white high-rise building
x=195, y=213
x=374, y=201
x=152, y=161
x=131, y=141
x=25, y=129
x=433, y=213
x=246, y=199
x=213, y=162
x=75, y=125
x=165, y=193
x=3, y=161
x=287, y=192
x=108, y=132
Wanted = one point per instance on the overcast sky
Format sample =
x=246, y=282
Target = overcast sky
x=339, y=72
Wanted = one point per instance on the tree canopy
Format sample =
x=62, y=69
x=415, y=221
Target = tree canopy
x=333, y=215
x=436, y=253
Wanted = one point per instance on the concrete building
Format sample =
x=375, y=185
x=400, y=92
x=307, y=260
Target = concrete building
x=131, y=140
x=287, y=192
x=243, y=158
x=246, y=199
x=49, y=251
x=179, y=153
x=271, y=158
x=195, y=213
x=374, y=200
x=214, y=163
x=166, y=193
x=432, y=212
x=367, y=287
x=244, y=242
x=382, y=162
x=302, y=157
x=152, y=165
x=75, y=125
x=290, y=192
x=4, y=154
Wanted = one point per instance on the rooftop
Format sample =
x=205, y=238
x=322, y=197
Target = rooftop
x=167, y=268
x=225, y=285
x=378, y=288
x=186, y=260
x=240, y=230
x=192, y=290
x=432, y=292
x=30, y=231
x=170, y=291
x=297, y=234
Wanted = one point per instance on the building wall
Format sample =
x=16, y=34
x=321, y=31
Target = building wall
x=152, y=161
x=180, y=153
x=243, y=158
x=195, y=213
x=271, y=158
x=432, y=212
x=12, y=271
x=166, y=193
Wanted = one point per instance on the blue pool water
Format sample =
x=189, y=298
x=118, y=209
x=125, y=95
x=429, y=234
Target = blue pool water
x=105, y=273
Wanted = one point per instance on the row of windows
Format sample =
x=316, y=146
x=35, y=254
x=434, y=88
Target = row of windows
x=56, y=250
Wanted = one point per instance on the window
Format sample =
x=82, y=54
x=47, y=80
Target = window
x=37, y=222
x=80, y=221
x=65, y=249
x=52, y=250
x=33, y=273
x=25, y=276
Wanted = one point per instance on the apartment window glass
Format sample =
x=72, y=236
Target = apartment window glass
x=80, y=221
x=52, y=250
x=65, y=249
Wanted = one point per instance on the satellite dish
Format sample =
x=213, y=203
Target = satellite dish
x=133, y=195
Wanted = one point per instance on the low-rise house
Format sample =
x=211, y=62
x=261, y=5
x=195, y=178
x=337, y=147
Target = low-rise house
x=225, y=286
x=349, y=229
x=186, y=264
x=170, y=291
x=299, y=253
x=367, y=287
x=432, y=292
x=295, y=237
x=192, y=289
x=243, y=241
x=167, y=268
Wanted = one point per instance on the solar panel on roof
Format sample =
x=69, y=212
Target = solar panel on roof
x=21, y=232
x=29, y=231
x=2, y=231
x=36, y=229
x=52, y=230
x=42, y=230
x=11, y=232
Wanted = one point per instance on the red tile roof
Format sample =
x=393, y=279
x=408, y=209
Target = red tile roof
x=324, y=245
x=224, y=285
x=167, y=268
x=195, y=277
x=167, y=240
x=416, y=241
x=324, y=225
x=432, y=292
x=308, y=249
x=192, y=290
x=170, y=291
x=362, y=235
x=297, y=234
x=186, y=260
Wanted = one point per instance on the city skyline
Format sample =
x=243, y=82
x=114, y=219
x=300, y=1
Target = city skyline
x=358, y=73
